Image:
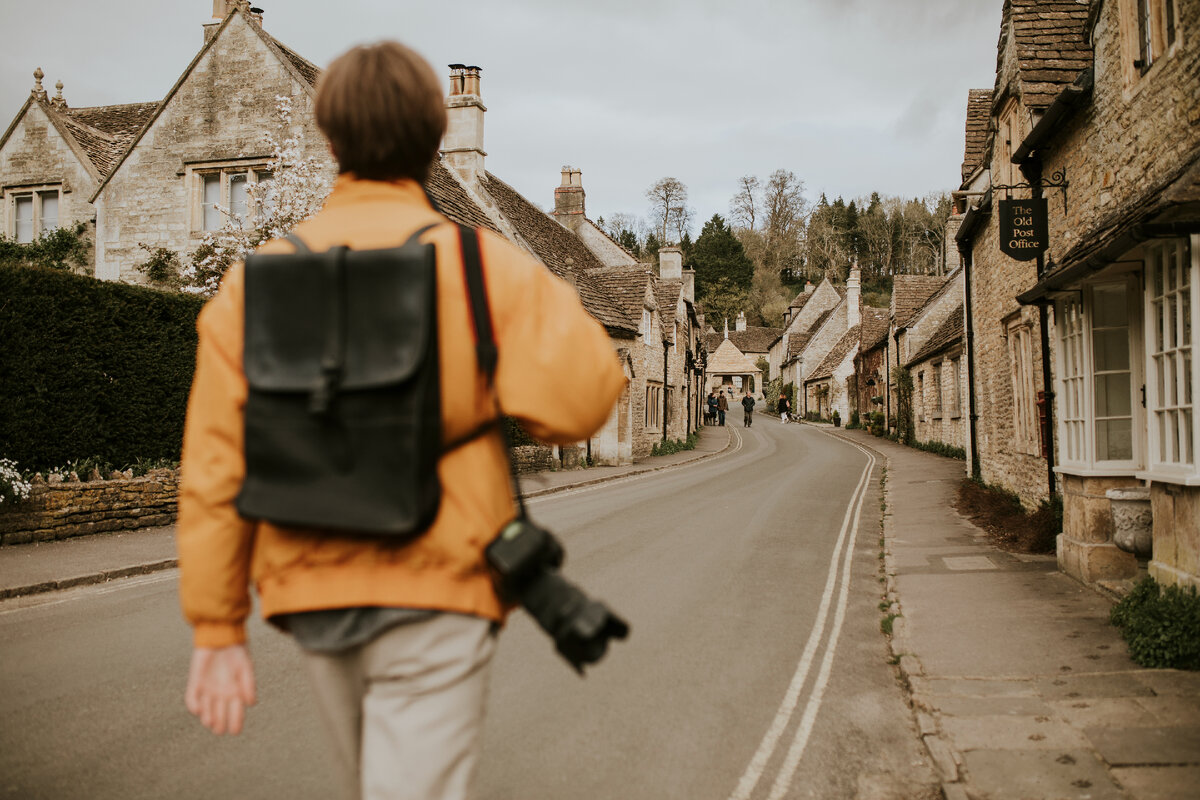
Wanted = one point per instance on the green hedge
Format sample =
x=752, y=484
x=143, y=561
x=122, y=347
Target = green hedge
x=90, y=368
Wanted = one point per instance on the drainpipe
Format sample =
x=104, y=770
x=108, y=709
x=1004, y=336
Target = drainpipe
x=967, y=259
x=1032, y=169
x=666, y=386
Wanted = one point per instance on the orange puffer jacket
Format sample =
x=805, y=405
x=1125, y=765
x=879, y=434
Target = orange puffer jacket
x=557, y=373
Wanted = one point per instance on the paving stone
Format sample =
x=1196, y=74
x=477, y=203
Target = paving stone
x=1071, y=687
x=1171, y=682
x=1177, y=745
x=992, y=706
x=962, y=687
x=1096, y=712
x=1172, y=709
x=1011, y=733
x=1039, y=775
x=943, y=757
x=1159, y=783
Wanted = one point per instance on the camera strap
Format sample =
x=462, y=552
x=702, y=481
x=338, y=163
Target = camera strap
x=486, y=352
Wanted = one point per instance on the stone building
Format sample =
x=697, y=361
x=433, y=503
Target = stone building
x=53, y=157
x=939, y=369
x=752, y=341
x=1121, y=278
x=806, y=315
x=870, y=363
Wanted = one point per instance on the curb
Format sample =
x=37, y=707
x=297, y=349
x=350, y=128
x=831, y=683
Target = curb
x=595, y=481
x=89, y=579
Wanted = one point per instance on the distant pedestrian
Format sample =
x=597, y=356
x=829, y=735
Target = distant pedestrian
x=785, y=406
x=711, y=415
x=748, y=407
x=722, y=407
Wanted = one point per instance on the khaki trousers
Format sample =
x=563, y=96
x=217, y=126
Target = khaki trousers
x=405, y=709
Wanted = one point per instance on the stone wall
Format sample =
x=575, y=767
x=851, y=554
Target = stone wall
x=63, y=510
x=217, y=115
x=1176, y=512
x=1085, y=547
x=949, y=426
x=533, y=458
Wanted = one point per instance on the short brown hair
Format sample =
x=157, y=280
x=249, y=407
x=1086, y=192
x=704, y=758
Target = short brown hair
x=381, y=108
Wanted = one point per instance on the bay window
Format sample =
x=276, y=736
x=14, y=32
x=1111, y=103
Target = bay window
x=1171, y=296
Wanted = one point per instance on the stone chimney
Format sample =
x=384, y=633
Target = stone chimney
x=221, y=9
x=740, y=323
x=689, y=285
x=463, y=145
x=568, y=199
x=670, y=263
x=853, y=296
x=727, y=327
x=808, y=287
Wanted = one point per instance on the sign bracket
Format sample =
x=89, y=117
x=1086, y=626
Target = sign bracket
x=1058, y=180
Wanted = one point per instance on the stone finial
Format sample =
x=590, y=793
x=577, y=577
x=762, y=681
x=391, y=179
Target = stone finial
x=38, y=91
x=58, y=101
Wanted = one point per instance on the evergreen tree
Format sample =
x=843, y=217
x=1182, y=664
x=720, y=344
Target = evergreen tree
x=650, y=251
x=718, y=254
x=686, y=245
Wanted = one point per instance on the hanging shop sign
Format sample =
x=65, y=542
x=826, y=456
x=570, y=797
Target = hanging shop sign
x=1023, y=229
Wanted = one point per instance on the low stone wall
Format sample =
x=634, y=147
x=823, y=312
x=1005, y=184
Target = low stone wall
x=63, y=510
x=533, y=458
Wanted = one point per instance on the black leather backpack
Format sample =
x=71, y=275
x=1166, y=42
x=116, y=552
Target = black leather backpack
x=343, y=427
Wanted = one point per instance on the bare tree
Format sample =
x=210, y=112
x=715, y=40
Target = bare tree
x=668, y=201
x=785, y=213
x=743, y=208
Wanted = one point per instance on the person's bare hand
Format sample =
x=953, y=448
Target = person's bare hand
x=220, y=686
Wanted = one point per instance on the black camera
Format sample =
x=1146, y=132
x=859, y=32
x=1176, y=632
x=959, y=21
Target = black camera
x=525, y=560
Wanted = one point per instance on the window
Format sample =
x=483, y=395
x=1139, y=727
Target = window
x=654, y=398
x=920, y=397
x=935, y=383
x=1025, y=417
x=1072, y=410
x=646, y=322
x=1171, y=295
x=1149, y=31
x=955, y=389
x=1113, y=387
x=34, y=212
x=229, y=192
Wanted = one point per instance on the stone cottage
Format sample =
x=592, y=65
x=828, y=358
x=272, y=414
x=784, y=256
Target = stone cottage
x=937, y=365
x=753, y=341
x=1121, y=279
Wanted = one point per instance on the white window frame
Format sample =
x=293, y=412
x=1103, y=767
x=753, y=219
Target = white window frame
x=1023, y=383
x=955, y=388
x=935, y=383
x=256, y=171
x=1159, y=409
x=36, y=195
x=1071, y=378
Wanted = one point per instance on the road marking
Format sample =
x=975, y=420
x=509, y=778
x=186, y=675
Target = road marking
x=843, y=547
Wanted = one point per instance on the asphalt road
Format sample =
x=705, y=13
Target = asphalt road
x=755, y=668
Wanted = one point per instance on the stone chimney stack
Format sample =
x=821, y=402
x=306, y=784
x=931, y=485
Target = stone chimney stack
x=568, y=199
x=221, y=9
x=854, y=296
x=670, y=263
x=463, y=145
x=740, y=323
x=808, y=287
x=689, y=285
x=727, y=327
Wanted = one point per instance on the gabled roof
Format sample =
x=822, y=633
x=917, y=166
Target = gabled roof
x=979, y=111
x=909, y=293
x=1051, y=44
x=799, y=340
x=836, y=355
x=666, y=294
x=728, y=360
x=309, y=71
x=948, y=334
x=553, y=244
x=873, y=331
x=755, y=339
x=800, y=300
x=452, y=199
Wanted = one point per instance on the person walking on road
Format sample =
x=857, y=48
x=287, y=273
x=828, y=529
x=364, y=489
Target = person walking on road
x=396, y=638
x=785, y=406
x=748, y=407
x=711, y=415
x=722, y=407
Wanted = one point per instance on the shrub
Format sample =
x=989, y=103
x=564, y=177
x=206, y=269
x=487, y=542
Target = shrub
x=61, y=248
x=666, y=448
x=1009, y=526
x=855, y=420
x=162, y=266
x=12, y=485
x=877, y=423
x=1161, y=626
x=92, y=368
x=941, y=449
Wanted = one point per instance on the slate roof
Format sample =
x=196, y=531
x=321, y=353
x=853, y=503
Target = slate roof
x=979, y=112
x=452, y=199
x=102, y=132
x=553, y=245
x=308, y=70
x=909, y=293
x=666, y=295
x=798, y=341
x=948, y=334
x=800, y=300
x=728, y=360
x=755, y=339
x=876, y=323
x=835, y=356
x=1051, y=42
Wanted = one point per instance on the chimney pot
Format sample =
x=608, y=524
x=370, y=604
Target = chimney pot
x=463, y=143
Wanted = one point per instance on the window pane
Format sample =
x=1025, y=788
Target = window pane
x=1114, y=440
x=1109, y=308
x=238, y=196
x=24, y=219
x=212, y=196
x=1112, y=395
x=49, y=220
x=266, y=194
x=1111, y=349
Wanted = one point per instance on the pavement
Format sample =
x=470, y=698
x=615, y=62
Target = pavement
x=1019, y=687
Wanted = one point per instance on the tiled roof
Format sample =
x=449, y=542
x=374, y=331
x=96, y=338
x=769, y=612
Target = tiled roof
x=835, y=356
x=909, y=293
x=553, y=245
x=800, y=300
x=874, y=329
x=754, y=339
x=1051, y=44
x=666, y=294
x=728, y=360
x=103, y=132
x=979, y=111
x=798, y=341
x=626, y=285
x=452, y=199
x=949, y=333
x=308, y=70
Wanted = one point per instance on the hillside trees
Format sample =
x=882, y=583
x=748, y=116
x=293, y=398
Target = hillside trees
x=720, y=261
x=669, y=209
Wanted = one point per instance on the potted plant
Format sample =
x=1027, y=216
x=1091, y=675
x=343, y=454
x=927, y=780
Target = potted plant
x=837, y=419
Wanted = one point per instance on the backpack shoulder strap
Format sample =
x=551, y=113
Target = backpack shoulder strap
x=486, y=353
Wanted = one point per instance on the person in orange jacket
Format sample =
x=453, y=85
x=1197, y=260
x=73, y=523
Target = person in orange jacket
x=396, y=639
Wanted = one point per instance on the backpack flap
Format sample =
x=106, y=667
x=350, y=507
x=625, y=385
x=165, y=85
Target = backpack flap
x=363, y=318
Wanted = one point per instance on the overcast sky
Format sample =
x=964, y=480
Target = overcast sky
x=851, y=95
